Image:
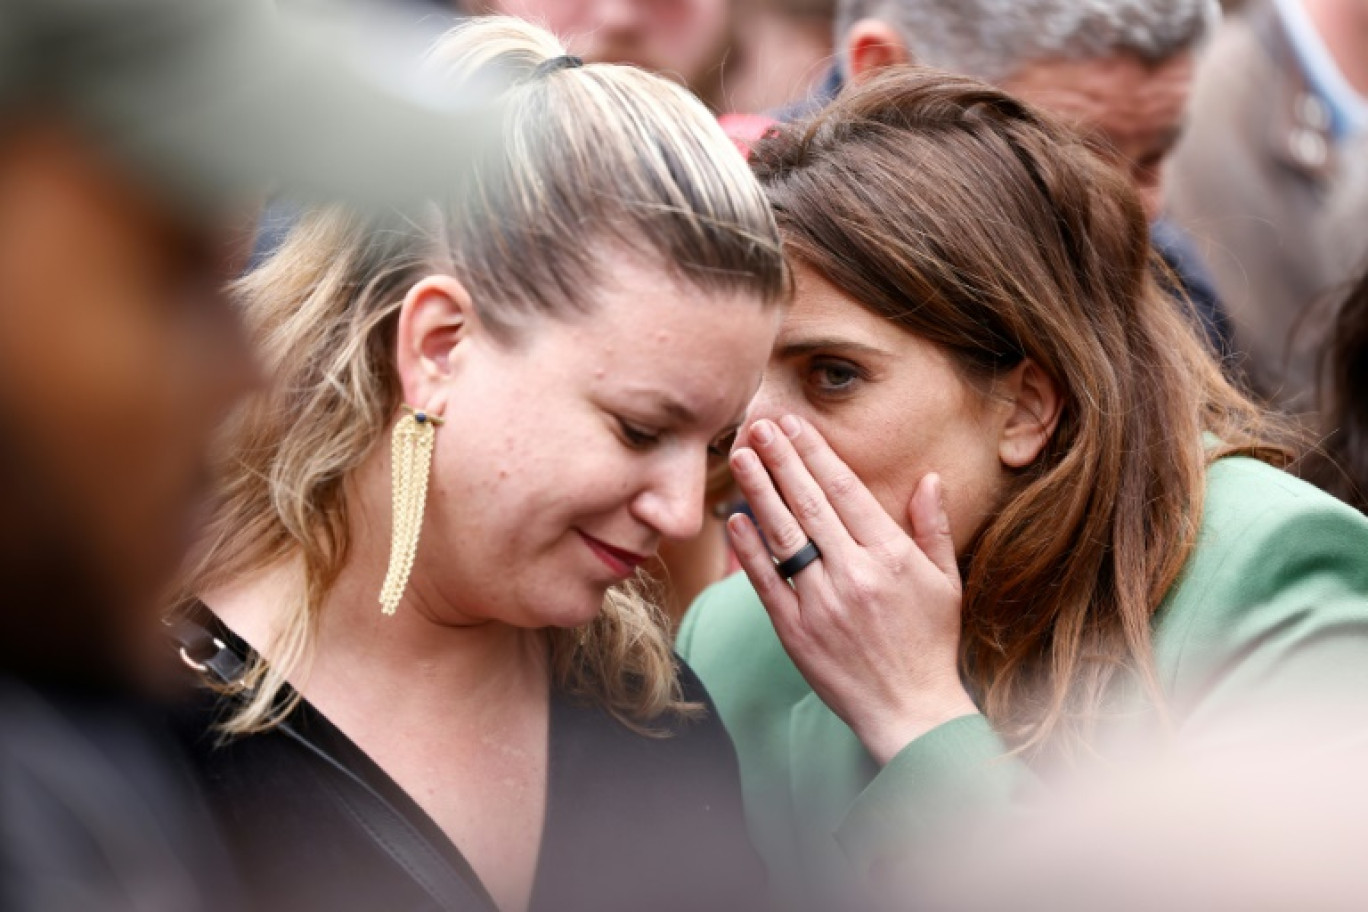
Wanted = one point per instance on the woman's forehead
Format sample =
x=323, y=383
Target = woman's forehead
x=820, y=312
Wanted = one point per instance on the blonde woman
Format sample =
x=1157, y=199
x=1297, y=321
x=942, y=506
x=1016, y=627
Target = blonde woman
x=438, y=687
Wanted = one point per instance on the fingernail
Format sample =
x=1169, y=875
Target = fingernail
x=791, y=425
x=763, y=432
x=745, y=460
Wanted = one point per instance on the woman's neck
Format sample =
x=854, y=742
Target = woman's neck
x=403, y=654
x=418, y=650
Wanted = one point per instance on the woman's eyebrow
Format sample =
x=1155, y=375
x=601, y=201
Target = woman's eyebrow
x=664, y=403
x=798, y=347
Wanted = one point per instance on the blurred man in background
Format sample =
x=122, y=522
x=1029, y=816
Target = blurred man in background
x=687, y=40
x=136, y=139
x=1268, y=178
x=782, y=50
x=736, y=55
x=1120, y=71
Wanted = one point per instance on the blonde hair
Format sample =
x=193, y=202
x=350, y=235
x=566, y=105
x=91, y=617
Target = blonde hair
x=591, y=158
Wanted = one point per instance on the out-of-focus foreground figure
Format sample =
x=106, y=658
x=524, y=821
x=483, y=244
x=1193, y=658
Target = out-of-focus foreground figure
x=1261, y=825
x=1267, y=178
x=135, y=135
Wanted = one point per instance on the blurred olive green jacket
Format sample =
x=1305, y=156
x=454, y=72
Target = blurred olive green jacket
x=1272, y=605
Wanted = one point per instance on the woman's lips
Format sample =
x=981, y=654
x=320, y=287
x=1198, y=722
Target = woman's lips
x=622, y=563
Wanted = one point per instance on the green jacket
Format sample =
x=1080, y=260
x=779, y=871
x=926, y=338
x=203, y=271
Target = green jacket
x=1272, y=602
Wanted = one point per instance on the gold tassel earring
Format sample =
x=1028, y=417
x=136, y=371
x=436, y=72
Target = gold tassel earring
x=411, y=455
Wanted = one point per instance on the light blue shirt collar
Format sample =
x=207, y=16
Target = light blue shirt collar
x=1348, y=109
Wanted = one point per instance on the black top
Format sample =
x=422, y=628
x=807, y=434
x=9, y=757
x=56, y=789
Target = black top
x=96, y=810
x=632, y=822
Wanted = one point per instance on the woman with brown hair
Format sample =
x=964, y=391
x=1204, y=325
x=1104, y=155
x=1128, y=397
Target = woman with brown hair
x=1018, y=510
x=440, y=685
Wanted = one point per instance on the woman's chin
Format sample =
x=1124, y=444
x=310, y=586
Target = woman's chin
x=577, y=616
x=565, y=613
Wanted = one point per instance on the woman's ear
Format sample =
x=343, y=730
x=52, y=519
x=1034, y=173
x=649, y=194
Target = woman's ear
x=434, y=319
x=1032, y=416
x=873, y=45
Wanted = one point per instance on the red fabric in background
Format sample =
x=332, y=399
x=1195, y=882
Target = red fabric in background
x=746, y=129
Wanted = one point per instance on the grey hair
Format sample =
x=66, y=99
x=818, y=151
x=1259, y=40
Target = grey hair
x=995, y=39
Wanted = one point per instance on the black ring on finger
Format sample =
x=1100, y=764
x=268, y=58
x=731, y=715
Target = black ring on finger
x=790, y=567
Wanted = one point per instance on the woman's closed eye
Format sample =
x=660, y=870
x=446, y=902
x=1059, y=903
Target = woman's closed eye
x=642, y=437
x=834, y=377
x=722, y=443
x=636, y=436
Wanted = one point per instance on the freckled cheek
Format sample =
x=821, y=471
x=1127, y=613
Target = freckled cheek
x=893, y=482
x=565, y=486
x=892, y=456
x=892, y=485
x=974, y=485
x=884, y=462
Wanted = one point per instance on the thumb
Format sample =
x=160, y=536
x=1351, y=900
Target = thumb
x=931, y=526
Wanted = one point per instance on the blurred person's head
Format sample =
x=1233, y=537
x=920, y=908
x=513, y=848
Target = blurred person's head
x=589, y=323
x=118, y=353
x=781, y=52
x=817, y=9
x=1120, y=71
x=974, y=298
x=686, y=40
x=136, y=139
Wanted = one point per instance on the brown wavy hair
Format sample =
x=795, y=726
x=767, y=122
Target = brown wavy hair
x=978, y=223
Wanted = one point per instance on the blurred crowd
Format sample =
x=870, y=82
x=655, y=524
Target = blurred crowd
x=538, y=455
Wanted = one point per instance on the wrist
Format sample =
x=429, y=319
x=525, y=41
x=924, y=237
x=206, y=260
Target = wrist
x=890, y=736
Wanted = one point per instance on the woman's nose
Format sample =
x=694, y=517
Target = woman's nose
x=766, y=403
x=617, y=16
x=672, y=504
